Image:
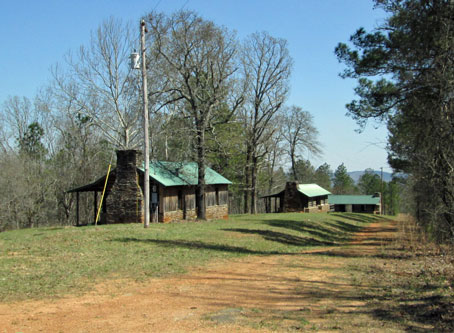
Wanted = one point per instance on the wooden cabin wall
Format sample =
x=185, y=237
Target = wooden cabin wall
x=176, y=198
x=216, y=195
x=170, y=199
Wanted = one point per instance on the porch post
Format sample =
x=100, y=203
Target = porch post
x=77, y=208
x=95, y=206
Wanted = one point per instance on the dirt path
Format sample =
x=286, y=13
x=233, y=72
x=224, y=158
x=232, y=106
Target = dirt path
x=311, y=290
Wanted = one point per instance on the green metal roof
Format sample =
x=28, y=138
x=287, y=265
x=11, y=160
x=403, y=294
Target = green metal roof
x=181, y=173
x=312, y=190
x=353, y=200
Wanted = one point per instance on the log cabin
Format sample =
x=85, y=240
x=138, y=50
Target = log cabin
x=307, y=198
x=172, y=191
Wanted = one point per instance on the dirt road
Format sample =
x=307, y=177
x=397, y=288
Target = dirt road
x=314, y=290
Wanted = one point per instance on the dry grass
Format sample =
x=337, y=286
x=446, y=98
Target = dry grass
x=411, y=282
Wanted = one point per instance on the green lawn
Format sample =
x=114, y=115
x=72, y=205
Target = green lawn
x=44, y=262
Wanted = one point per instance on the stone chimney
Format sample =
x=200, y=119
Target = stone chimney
x=125, y=200
x=292, y=198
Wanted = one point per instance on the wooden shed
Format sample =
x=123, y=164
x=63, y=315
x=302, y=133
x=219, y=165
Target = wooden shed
x=172, y=191
x=355, y=203
x=308, y=198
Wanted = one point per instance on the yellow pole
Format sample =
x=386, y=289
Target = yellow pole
x=102, y=196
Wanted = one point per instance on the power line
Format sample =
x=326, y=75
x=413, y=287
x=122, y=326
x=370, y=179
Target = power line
x=156, y=5
x=184, y=5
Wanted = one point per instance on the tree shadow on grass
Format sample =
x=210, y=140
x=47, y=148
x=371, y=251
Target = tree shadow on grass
x=282, y=238
x=411, y=303
x=430, y=310
x=346, y=227
x=364, y=218
x=197, y=245
x=47, y=229
x=331, y=233
x=350, y=252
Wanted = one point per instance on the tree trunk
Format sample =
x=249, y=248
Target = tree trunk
x=254, y=185
x=271, y=173
x=247, y=179
x=200, y=190
x=292, y=157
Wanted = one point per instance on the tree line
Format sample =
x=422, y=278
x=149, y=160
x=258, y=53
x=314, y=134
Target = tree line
x=213, y=99
x=405, y=75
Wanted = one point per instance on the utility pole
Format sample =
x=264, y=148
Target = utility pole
x=146, y=150
x=381, y=194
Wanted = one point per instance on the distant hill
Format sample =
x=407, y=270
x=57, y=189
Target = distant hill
x=387, y=176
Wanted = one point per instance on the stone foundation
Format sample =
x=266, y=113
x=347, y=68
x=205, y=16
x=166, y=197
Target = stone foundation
x=125, y=200
x=217, y=212
x=317, y=209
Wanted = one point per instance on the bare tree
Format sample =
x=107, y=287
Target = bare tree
x=266, y=65
x=80, y=154
x=198, y=60
x=24, y=182
x=17, y=113
x=275, y=153
x=98, y=81
x=299, y=134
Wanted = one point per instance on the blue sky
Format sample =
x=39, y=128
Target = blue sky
x=36, y=34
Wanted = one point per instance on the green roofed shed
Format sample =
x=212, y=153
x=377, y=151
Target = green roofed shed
x=355, y=203
x=353, y=199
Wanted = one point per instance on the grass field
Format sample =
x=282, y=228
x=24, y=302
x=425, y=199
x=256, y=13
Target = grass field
x=50, y=262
